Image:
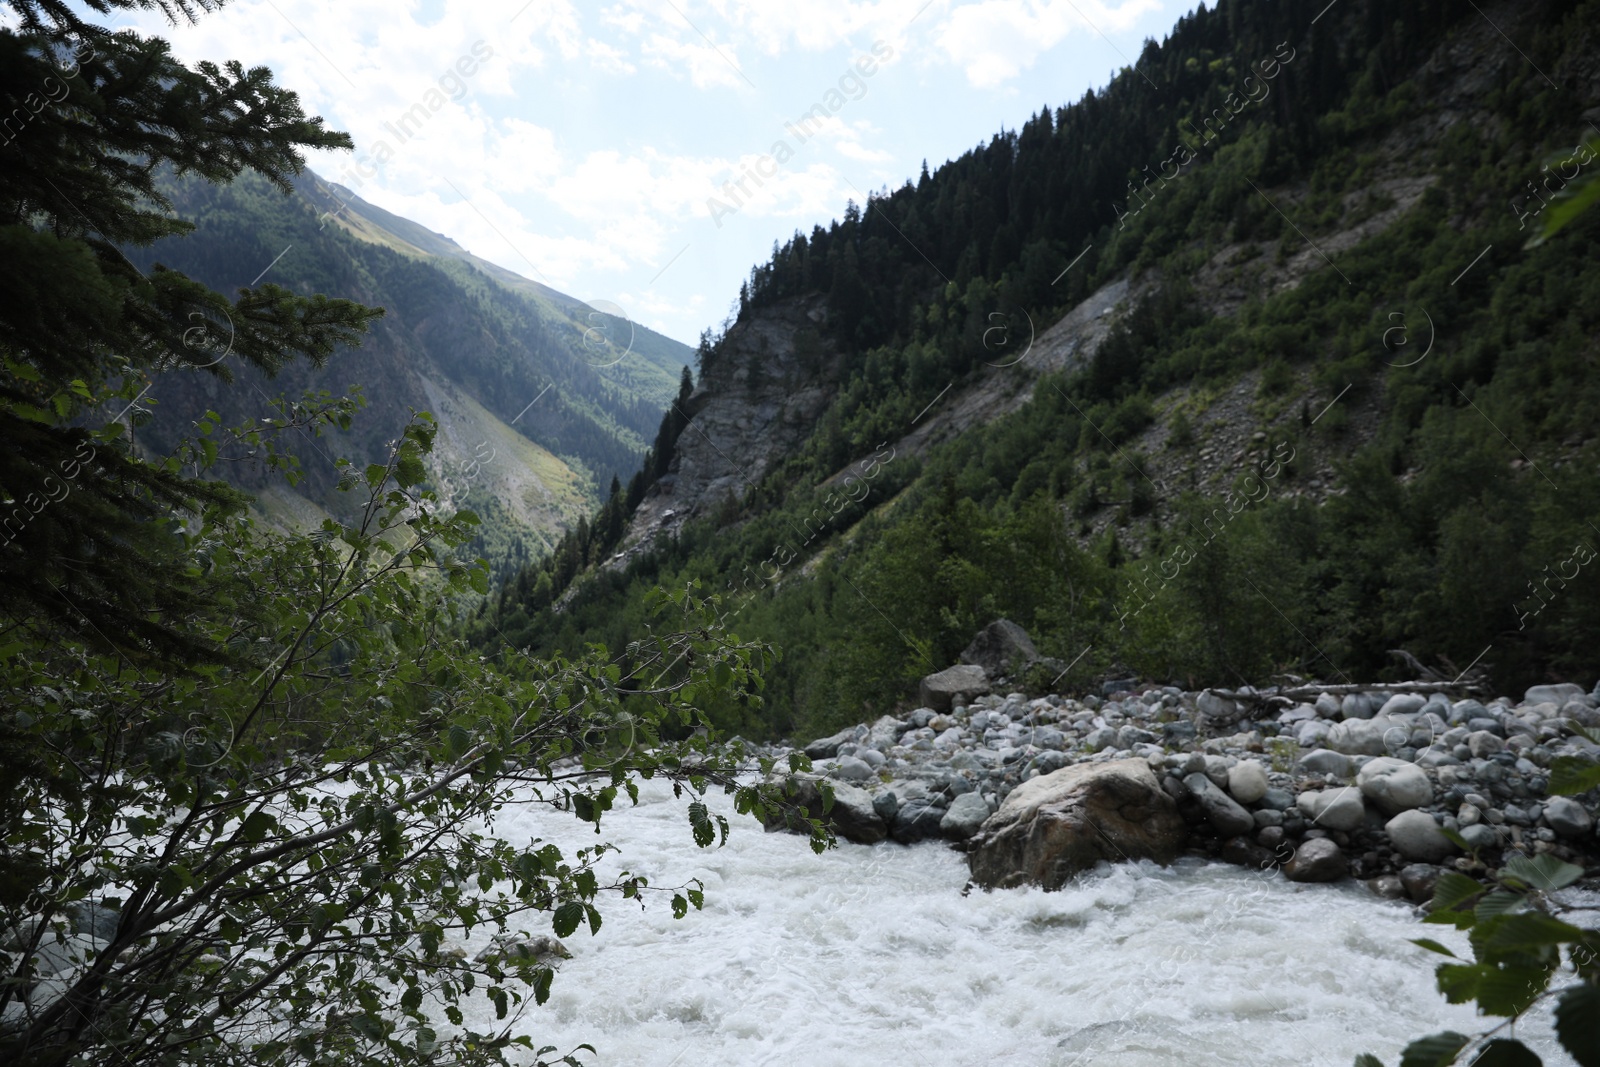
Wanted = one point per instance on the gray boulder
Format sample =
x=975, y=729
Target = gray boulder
x=1567, y=817
x=1416, y=836
x=885, y=804
x=1222, y=811
x=1557, y=694
x=1358, y=737
x=1326, y=761
x=852, y=816
x=1356, y=706
x=1333, y=809
x=1317, y=860
x=1054, y=826
x=1101, y=738
x=1277, y=799
x=850, y=769
x=512, y=948
x=1394, y=785
x=916, y=820
x=1403, y=704
x=1484, y=744
x=1247, y=781
x=1001, y=648
x=967, y=813
x=964, y=681
x=828, y=747
x=886, y=731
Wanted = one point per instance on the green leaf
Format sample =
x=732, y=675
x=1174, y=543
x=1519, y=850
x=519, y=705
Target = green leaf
x=567, y=918
x=257, y=826
x=1530, y=930
x=1570, y=775
x=1367, y=1059
x=700, y=821
x=1459, y=981
x=1436, y=1050
x=680, y=907
x=408, y=469
x=1509, y=989
x=1453, y=889
x=1433, y=946
x=1545, y=873
x=1506, y=1052
x=411, y=999
x=541, y=984
x=1578, y=1023
x=457, y=742
x=1495, y=904
x=376, y=473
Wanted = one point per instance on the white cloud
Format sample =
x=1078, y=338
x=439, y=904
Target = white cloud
x=993, y=41
x=705, y=65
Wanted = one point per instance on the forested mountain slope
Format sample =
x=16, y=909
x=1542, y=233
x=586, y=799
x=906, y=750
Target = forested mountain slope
x=542, y=401
x=1246, y=364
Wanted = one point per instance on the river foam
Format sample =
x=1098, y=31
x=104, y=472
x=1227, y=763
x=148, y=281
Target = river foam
x=872, y=955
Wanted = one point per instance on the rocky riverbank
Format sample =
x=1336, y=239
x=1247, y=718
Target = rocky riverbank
x=1359, y=786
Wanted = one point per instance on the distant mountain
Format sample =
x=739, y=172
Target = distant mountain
x=541, y=399
x=1243, y=365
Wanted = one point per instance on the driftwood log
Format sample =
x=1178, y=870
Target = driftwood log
x=1249, y=703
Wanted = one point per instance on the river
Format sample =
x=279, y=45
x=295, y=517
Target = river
x=872, y=956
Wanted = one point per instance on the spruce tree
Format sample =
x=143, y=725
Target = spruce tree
x=89, y=527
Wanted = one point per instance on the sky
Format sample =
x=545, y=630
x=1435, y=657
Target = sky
x=649, y=152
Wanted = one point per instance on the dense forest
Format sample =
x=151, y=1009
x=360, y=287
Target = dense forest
x=1468, y=482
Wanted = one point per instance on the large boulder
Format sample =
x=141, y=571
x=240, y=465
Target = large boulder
x=542, y=949
x=1357, y=737
x=1394, y=785
x=1553, y=694
x=1333, y=809
x=1222, y=811
x=850, y=769
x=1001, y=648
x=1056, y=825
x=966, y=815
x=1247, y=781
x=1567, y=817
x=853, y=816
x=964, y=681
x=828, y=747
x=916, y=819
x=1415, y=835
x=1316, y=860
x=1326, y=761
x=885, y=732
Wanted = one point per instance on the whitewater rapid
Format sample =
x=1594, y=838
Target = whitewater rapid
x=871, y=955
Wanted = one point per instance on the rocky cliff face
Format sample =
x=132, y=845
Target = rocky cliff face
x=757, y=402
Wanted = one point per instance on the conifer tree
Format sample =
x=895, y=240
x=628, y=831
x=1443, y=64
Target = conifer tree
x=89, y=528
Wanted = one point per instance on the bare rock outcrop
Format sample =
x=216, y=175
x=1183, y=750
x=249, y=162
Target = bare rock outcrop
x=1056, y=825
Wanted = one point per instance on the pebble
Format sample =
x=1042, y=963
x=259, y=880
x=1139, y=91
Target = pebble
x=1271, y=785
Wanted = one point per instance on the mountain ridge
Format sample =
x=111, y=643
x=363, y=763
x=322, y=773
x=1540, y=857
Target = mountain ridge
x=541, y=398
